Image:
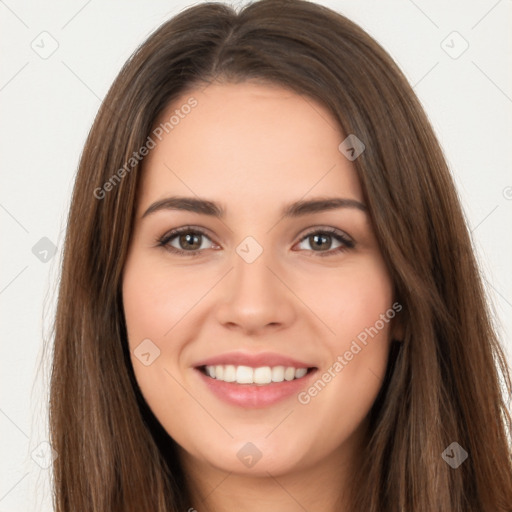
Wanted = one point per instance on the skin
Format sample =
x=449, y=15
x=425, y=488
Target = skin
x=254, y=148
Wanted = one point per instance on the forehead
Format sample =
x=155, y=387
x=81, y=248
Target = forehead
x=247, y=144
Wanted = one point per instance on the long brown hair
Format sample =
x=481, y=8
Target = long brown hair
x=442, y=385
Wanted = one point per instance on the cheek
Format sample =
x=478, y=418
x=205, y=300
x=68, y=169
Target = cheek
x=153, y=302
x=360, y=317
x=351, y=299
x=156, y=298
x=364, y=318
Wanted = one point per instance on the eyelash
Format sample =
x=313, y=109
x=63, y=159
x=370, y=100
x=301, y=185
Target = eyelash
x=346, y=242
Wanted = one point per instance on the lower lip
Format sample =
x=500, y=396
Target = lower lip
x=253, y=395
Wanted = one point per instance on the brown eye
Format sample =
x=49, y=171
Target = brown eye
x=185, y=241
x=321, y=242
x=189, y=241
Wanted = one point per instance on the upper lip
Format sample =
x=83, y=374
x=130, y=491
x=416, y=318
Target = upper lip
x=253, y=360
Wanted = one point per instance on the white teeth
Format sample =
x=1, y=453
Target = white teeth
x=300, y=372
x=278, y=374
x=229, y=373
x=244, y=375
x=261, y=375
x=289, y=373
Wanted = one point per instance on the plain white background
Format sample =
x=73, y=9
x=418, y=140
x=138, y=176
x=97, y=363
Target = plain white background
x=456, y=55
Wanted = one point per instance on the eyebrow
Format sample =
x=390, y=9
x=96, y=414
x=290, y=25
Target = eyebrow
x=295, y=209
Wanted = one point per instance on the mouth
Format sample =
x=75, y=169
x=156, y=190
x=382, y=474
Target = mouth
x=257, y=386
x=259, y=376
x=254, y=380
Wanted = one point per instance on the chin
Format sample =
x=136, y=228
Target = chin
x=257, y=457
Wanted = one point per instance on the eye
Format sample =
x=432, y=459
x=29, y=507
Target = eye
x=187, y=239
x=323, y=238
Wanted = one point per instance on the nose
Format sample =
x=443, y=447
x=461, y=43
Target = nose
x=255, y=298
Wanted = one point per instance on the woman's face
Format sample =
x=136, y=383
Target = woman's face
x=269, y=287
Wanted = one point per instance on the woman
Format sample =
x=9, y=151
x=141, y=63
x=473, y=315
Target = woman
x=209, y=353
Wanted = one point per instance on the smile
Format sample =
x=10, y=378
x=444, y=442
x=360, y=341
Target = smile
x=262, y=375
